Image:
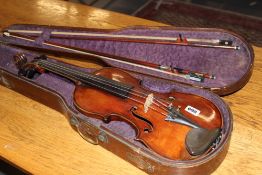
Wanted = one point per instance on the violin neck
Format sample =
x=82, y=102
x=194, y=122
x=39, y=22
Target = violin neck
x=88, y=79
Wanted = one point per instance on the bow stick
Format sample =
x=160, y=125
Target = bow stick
x=174, y=71
x=195, y=42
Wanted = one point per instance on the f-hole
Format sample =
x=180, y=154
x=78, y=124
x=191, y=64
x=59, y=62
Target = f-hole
x=150, y=124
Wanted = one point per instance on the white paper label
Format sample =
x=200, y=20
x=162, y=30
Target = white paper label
x=192, y=110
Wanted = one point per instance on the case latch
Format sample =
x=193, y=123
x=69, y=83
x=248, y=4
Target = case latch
x=85, y=130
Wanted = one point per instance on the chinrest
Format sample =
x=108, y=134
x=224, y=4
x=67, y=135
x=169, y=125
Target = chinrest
x=199, y=140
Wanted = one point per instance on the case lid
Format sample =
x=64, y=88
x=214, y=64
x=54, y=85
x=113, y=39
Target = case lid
x=198, y=50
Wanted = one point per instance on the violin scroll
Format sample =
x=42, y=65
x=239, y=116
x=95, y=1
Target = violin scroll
x=20, y=60
x=25, y=68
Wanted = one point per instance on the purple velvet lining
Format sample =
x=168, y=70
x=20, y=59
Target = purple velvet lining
x=65, y=88
x=228, y=65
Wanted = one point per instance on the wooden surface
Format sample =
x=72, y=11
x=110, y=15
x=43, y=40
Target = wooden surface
x=40, y=140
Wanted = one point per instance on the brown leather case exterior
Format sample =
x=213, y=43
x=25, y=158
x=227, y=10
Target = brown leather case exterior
x=112, y=142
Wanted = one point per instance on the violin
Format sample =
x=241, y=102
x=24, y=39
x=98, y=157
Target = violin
x=175, y=125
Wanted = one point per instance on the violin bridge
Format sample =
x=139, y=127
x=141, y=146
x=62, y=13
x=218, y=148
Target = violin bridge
x=148, y=102
x=171, y=99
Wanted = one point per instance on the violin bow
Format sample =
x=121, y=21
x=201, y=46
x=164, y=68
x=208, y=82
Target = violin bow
x=194, y=42
x=174, y=71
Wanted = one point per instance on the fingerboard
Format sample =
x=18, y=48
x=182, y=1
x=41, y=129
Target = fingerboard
x=111, y=86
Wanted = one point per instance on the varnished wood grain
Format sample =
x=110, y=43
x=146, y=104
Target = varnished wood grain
x=40, y=140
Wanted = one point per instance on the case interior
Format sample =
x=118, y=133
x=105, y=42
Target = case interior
x=228, y=65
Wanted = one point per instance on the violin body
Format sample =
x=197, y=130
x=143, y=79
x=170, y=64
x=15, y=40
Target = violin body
x=164, y=137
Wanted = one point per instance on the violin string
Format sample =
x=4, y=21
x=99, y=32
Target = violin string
x=160, y=101
x=109, y=90
x=108, y=85
x=97, y=79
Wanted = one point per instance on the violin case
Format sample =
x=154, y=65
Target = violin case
x=232, y=68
